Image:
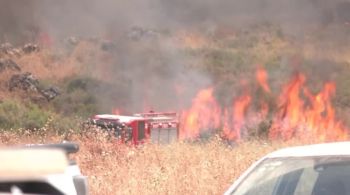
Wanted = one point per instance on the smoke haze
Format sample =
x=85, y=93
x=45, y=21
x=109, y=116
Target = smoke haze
x=92, y=17
x=153, y=70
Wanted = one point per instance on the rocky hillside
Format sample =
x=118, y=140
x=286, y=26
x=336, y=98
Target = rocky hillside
x=71, y=79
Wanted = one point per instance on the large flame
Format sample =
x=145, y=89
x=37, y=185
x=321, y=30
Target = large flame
x=204, y=114
x=300, y=114
x=234, y=124
x=309, y=118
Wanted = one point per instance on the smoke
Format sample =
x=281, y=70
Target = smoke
x=152, y=70
x=158, y=76
x=98, y=17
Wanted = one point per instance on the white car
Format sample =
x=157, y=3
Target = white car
x=41, y=169
x=320, y=169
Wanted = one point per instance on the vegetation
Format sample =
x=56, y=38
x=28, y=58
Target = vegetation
x=92, y=80
x=15, y=115
x=178, y=168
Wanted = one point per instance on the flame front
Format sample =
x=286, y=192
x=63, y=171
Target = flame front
x=300, y=113
x=204, y=114
x=309, y=119
x=234, y=124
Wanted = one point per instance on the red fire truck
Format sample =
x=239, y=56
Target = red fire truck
x=158, y=127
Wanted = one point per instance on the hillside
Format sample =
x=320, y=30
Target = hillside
x=245, y=78
x=148, y=69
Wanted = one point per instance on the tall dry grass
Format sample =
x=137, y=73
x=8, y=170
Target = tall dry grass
x=178, y=168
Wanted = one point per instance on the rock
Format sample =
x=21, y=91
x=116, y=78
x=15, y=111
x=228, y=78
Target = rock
x=30, y=48
x=108, y=45
x=25, y=81
x=72, y=41
x=28, y=82
x=6, y=48
x=50, y=93
x=137, y=33
x=8, y=64
x=15, y=52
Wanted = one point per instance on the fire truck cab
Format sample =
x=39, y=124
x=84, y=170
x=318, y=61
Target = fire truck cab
x=159, y=128
x=126, y=128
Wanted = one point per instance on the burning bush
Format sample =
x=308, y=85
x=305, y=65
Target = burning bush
x=300, y=113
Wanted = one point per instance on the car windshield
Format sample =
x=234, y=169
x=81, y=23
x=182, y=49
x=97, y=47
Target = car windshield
x=298, y=176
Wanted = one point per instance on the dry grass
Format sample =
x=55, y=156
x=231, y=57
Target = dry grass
x=179, y=168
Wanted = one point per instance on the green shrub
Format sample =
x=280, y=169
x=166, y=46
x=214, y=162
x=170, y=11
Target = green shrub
x=34, y=117
x=78, y=98
x=85, y=96
x=10, y=112
x=15, y=115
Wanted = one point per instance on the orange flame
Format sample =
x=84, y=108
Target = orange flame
x=203, y=115
x=206, y=114
x=309, y=119
x=300, y=114
x=233, y=131
x=261, y=77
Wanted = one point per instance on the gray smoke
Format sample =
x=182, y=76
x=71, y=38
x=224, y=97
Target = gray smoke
x=152, y=70
x=100, y=17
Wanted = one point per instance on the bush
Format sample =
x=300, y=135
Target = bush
x=9, y=114
x=84, y=96
x=34, y=117
x=15, y=115
x=78, y=99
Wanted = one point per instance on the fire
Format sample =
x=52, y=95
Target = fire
x=309, y=118
x=233, y=131
x=261, y=77
x=204, y=114
x=300, y=113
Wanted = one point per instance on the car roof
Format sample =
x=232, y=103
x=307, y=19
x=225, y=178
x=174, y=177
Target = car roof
x=326, y=149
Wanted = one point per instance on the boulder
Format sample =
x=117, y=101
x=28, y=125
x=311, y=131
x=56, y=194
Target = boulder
x=8, y=64
x=30, y=48
x=25, y=81
x=50, y=93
